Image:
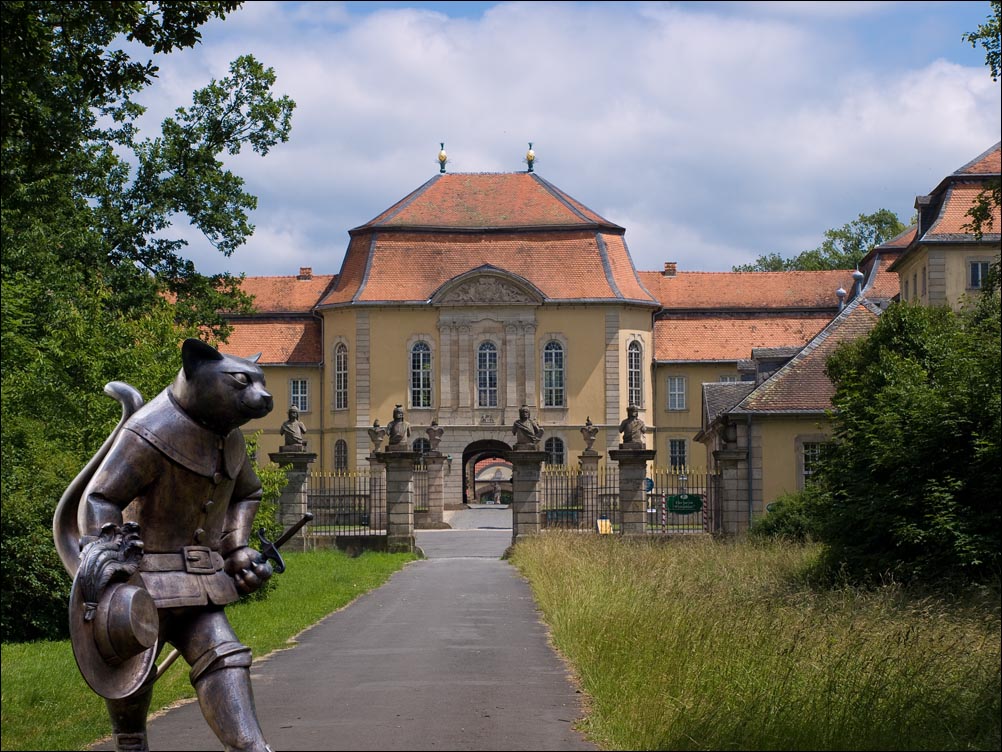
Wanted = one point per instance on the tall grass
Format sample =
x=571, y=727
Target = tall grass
x=47, y=706
x=708, y=645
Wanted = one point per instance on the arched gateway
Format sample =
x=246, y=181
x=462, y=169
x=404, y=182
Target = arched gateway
x=475, y=452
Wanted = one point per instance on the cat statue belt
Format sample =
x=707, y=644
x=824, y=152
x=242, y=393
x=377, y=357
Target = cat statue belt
x=191, y=559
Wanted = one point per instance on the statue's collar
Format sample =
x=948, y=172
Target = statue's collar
x=165, y=424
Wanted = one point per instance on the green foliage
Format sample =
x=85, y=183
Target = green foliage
x=843, y=247
x=791, y=517
x=94, y=288
x=913, y=475
x=709, y=645
x=989, y=36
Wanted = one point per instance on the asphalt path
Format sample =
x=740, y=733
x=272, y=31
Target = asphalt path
x=449, y=654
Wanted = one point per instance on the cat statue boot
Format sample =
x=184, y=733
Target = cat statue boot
x=173, y=482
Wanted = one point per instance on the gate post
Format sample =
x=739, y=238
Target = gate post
x=399, y=499
x=292, y=502
x=525, y=474
x=588, y=485
x=632, y=496
x=435, y=462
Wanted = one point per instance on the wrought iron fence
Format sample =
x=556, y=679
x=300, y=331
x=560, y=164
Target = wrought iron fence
x=571, y=498
x=682, y=500
x=420, y=487
x=346, y=503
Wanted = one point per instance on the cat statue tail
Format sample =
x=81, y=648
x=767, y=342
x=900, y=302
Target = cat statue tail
x=65, y=528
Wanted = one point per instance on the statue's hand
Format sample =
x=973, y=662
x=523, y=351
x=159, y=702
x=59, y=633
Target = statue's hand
x=248, y=568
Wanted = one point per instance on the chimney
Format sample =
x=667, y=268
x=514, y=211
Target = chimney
x=305, y=272
x=670, y=268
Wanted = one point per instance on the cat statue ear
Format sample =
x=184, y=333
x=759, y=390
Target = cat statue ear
x=194, y=353
x=254, y=358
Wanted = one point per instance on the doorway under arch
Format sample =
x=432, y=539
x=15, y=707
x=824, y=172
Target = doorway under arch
x=479, y=451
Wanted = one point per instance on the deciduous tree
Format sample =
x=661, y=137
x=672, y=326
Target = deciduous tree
x=843, y=247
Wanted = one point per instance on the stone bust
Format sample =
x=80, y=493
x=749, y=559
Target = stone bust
x=399, y=431
x=527, y=431
x=293, y=432
x=633, y=428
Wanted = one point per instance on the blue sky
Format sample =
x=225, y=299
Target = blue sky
x=714, y=132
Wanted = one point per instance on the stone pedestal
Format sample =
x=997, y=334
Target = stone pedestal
x=435, y=462
x=525, y=475
x=632, y=496
x=292, y=502
x=399, y=499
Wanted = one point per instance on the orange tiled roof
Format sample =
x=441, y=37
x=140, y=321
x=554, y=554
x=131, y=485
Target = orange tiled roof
x=802, y=385
x=280, y=342
x=953, y=217
x=758, y=290
x=514, y=222
x=412, y=266
x=988, y=163
x=885, y=284
x=286, y=294
x=727, y=338
x=482, y=201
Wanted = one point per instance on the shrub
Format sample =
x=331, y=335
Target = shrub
x=791, y=517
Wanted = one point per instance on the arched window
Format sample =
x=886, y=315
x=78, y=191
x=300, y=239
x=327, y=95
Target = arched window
x=341, y=377
x=487, y=375
x=421, y=375
x=553, y=374
x=340, y=454
x=635, y=374
x=422, y=446
x=554, y=449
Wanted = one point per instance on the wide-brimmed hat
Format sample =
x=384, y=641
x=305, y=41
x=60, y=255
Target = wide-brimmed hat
x=116, y=647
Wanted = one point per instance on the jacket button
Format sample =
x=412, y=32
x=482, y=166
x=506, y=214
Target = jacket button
x=217, y=478
x=207, y=505
x=198, y=535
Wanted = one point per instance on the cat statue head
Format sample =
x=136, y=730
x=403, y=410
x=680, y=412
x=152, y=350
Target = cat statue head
x=221, y=392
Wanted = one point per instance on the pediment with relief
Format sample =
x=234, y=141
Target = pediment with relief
x=480, y=288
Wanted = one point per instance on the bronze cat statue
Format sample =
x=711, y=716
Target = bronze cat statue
x=156, y=528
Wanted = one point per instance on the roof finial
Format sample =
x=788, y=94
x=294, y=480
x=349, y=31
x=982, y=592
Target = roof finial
x=530, y=156
x=442, y=157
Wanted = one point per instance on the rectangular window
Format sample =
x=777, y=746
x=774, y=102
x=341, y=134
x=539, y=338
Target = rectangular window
x=905, y=296
x=487, y=375
x=812, y=456
x=553, y=375
x=915, y=286
x=728, y=379
x=676, y=393
x=421, y=375
x=635, y=374
x=341, y=378
x=979, y=270
x=676, y=453
x=924, y=282
x=299, y=394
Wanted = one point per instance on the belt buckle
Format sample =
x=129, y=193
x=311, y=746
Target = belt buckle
x=198, y=560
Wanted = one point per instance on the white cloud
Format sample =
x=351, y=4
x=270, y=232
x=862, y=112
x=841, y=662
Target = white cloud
x=712, y=134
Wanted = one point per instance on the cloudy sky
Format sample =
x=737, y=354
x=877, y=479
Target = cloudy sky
x=714, y=132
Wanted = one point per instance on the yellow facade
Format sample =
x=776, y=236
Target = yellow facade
x=780, y=442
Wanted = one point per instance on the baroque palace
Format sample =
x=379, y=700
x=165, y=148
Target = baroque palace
x=477, y=294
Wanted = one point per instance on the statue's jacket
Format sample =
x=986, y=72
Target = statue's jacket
x=193, y=493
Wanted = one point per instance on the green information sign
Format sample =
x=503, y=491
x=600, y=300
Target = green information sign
x=685, y=503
